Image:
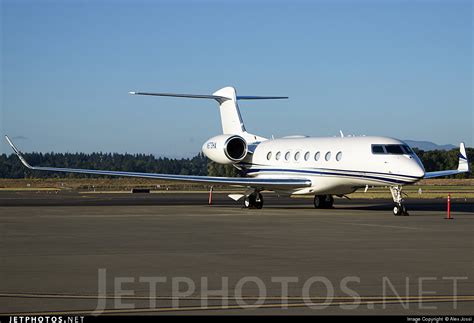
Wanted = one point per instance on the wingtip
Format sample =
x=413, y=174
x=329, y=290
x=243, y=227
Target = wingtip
x=18, y=153
x=10, y=142
x=132, y=92
x=462, y=149
x=463, y=164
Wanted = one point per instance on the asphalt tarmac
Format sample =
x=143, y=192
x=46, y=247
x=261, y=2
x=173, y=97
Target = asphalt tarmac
x=173, y=254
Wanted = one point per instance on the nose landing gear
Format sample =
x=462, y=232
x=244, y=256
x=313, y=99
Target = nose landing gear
x=397, y=195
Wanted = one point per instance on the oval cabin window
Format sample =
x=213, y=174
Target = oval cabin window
x=328, y=156
x=277, y=156
x=297, y=156
x=339, y=156
x=287, y=156
x=269, y=155
x=316, y=157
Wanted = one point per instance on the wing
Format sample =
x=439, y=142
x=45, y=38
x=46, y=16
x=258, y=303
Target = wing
x=463, y=165
x=287, y=183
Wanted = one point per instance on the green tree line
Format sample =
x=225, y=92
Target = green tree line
x=10, y=166
x=435, y=160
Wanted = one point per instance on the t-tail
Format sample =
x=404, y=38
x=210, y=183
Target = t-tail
x=231, y=119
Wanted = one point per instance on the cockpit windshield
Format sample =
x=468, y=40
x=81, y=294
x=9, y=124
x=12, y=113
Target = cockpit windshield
x=392, y=149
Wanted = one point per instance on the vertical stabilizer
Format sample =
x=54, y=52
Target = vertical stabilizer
x=231, y=119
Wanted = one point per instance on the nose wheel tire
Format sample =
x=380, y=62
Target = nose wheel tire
x=253, y=201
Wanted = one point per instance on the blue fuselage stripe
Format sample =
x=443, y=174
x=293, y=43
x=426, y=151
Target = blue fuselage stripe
x=337, y=170
x=378, y=178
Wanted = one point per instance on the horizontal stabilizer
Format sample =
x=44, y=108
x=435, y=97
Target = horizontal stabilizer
x=177, y=95
x=240, y=97
x=227, y=98
x=215, y=97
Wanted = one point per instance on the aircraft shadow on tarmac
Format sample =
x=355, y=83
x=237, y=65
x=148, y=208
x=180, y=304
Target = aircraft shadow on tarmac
x=383, y=205
x=221, y=200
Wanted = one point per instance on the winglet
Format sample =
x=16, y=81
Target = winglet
x=18, y=153
x=463, y=165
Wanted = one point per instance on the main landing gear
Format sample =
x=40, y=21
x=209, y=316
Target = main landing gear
x=253, y=201
x=323, y=201
x=397, y=195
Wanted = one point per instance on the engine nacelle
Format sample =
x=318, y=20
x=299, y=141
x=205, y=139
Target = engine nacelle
x=225, y=149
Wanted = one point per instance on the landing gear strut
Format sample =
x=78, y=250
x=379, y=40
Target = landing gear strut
x=399, y=208
x=323, y=201
x=254, y=200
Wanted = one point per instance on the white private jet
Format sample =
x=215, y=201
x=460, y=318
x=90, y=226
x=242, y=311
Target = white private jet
x=296, y=165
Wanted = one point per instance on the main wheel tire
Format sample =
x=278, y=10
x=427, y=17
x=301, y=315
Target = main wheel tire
x=246, y=202
x=249, y=201
x=328, y=201
x=319, y=201
x=254, y=200
x=258, y=201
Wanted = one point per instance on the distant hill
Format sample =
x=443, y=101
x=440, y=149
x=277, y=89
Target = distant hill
x=428, y=145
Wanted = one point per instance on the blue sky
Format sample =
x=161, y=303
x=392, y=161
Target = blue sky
x=393, y=68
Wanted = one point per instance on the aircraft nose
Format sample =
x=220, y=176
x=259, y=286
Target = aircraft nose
x=420, y=172
x=414, y=168
x=418, y=169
